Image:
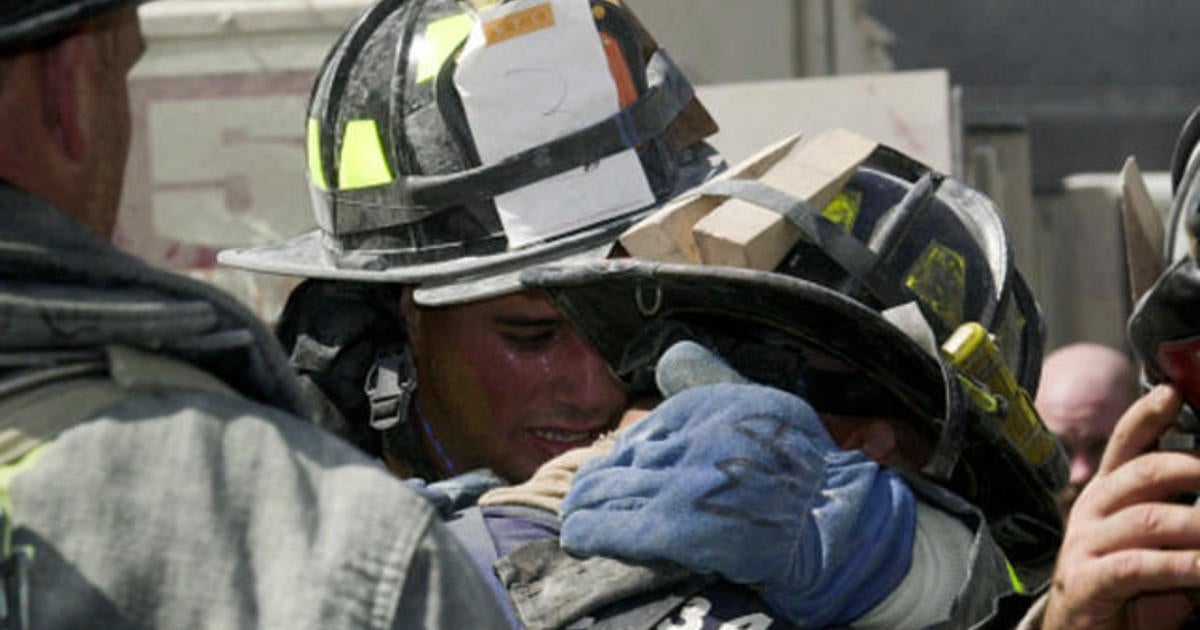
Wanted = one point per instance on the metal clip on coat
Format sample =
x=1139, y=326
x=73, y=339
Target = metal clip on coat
x=972, y=351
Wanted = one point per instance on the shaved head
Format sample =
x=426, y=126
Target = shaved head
x=1087, y=377
x=1085, y=387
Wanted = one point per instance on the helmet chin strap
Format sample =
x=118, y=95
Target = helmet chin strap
x=443, y=458
x=391, y=389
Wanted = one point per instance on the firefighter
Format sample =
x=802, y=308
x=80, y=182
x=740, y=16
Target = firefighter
x=413, y=332
x=158, y=468
x=807, y=415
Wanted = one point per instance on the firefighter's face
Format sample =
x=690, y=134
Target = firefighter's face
x=506, y=383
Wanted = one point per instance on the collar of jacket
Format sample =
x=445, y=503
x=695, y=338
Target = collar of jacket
x=63, y=289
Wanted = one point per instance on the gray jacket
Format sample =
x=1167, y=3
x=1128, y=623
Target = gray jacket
x=174, y=485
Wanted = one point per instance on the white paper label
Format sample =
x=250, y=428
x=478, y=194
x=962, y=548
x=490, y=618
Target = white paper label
x=533, y=71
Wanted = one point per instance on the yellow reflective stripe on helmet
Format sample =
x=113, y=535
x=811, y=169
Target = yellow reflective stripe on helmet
x=939, y=279
x=440, y=39
x=9, y=472
x=1012, y=577
x=362, y=162
x=843, y=210
x=316, y=170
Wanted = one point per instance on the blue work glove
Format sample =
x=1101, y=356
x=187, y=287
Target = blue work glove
x=743, y=481
x=687, y=364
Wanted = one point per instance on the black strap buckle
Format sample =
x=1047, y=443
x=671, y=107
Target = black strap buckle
x=390, y=386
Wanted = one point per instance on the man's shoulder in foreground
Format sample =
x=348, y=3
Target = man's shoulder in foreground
x=203, y=509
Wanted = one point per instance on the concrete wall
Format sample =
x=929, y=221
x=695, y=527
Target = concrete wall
x=1086, y=296
x=910, y=111
x=719, y=41
x=217, y=155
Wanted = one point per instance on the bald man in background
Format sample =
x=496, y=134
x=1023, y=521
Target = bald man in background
x=1084, y=390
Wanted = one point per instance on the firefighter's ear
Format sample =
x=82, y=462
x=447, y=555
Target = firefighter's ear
x=412, y=320
x=66, y=94
x=875, y=437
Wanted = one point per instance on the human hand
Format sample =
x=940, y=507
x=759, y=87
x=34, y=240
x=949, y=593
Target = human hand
x=743, y=481
x=637, y=410
x=1130, y=555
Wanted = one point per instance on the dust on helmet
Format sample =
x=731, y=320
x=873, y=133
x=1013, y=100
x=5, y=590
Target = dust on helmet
x=27, y=22
x=398, y=187
x=897, y=236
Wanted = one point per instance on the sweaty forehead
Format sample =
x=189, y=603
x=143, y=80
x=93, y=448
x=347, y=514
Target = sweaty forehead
x=520, y=305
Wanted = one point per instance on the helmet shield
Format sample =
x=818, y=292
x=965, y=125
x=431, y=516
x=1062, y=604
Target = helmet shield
x=398, y=188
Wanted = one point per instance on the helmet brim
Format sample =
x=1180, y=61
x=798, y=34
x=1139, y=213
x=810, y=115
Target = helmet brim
x=467, y=278
x=442, y=283
x=611, y=301
x=36, y=20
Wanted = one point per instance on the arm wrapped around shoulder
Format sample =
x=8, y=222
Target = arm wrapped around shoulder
x=743, y=481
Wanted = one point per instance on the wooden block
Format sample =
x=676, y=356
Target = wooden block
x=760, y=233
x=740, y=234
x=666, y=235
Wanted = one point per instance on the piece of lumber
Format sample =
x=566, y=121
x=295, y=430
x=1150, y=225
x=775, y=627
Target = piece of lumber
x=666, y=235
x=1143, y=230
x=740, y=234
